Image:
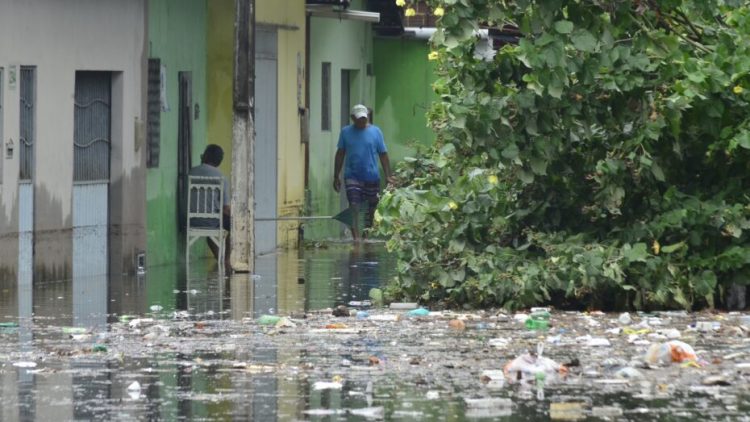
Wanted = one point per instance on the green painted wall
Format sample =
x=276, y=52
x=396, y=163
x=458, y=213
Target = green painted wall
x=346, y=45
x=177, y=36
x=404, y=94
x=400, y=93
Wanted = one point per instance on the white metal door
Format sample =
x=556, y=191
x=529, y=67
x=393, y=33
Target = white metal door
x=266, y=144
x=91, y=143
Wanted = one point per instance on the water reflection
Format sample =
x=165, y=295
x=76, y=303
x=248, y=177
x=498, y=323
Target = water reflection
x=176, y=385
x=198, y=359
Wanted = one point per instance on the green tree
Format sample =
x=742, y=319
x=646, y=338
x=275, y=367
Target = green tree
x=603, y=159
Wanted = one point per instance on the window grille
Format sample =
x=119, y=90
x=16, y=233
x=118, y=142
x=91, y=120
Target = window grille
x=92, y=125
x=153, y=113
x=27, y=122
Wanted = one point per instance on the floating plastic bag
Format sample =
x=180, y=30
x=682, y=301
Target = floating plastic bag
x=668, y=352
x=527, y=366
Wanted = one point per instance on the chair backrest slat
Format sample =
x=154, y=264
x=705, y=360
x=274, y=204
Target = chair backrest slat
x=205, y=198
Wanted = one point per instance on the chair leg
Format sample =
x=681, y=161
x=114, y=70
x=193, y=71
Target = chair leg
x=221, y=256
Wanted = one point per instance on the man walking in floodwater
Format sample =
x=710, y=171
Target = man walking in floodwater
x=211, y=159
x=360, y=145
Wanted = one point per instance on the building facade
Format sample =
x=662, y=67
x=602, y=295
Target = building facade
x=72, y=164
x=279, y=110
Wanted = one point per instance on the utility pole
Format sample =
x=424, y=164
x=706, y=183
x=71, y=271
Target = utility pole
x=243, y=139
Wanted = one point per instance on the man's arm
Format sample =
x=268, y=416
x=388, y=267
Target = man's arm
x=386, y=163
x=339, y=162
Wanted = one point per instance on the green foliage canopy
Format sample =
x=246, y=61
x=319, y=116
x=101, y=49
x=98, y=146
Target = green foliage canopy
x=604, y=159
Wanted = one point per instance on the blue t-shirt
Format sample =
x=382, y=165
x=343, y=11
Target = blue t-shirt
x=363, y=148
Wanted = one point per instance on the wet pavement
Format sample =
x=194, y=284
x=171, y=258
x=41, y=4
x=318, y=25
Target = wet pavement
x=166, y=346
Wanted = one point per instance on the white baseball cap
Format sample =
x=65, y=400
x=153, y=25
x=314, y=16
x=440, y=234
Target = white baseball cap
x=359, y=111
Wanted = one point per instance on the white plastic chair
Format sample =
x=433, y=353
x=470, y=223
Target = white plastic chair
x=205, y=213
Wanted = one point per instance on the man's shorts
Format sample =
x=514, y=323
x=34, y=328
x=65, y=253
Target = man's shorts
x=362, y=192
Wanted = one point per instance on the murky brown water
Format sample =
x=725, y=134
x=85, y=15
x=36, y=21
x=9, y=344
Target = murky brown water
x=73, y=350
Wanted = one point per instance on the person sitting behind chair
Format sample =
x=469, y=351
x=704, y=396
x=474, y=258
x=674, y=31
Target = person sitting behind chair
x=210, y=161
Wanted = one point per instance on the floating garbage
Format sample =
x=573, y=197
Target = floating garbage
x=80, y=337
x=341, y=311
x=362, y=314
x=527, y=366
x=499, y=343
x=421, y=312
x=707, y=326
x=457, y=324
x=538, y=320
x=520, y=317
x=404, y=306
x=594, y=341
x=74, y=330
x=571, y=411
x=24, y=364
x=156, y=308
x=327, y=385
x=432, y=395
x=134, y=386
x=384, y=317
x=285, y=323
x=269, y=319
x=140, y=321
x=669, y=352
x=8, y=324
x=369, y=412
x=494, y=379
x=360, y=303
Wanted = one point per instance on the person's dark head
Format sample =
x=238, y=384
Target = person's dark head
x=360, y=115
x=213, y=155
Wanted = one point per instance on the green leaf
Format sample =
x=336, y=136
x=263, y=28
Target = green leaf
x=510, y=152
x=538, y=166
x=706, y=283
x=657, y=172
x=451, y=42
x=635, y=253
x=584, y=41
x=673, y=247
x=526, y=177
x=564, y=27
x=743, y=139
x=555, y=89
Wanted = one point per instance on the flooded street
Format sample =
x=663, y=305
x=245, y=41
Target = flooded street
x=166, y=346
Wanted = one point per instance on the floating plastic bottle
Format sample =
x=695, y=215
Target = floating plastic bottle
x=538, y=321
x=268, y=319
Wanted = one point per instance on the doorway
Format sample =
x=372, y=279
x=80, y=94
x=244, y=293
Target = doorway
x=184, y=144
x=91, y=173
x=266, y=140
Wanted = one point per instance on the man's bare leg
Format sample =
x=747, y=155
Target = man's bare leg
x=354, y=208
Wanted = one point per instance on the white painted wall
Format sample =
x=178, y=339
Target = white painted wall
x=60, y=37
